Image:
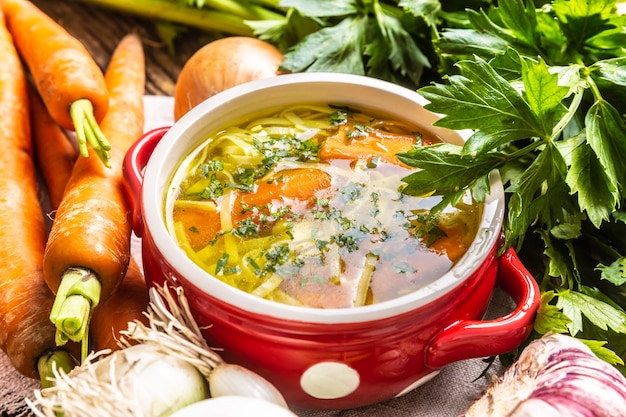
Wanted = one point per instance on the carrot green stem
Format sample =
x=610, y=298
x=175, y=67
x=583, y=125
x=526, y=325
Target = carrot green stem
x=75, y=312
x=88, y=131
x=78, y=294
x=50, y=363
x=203, y=19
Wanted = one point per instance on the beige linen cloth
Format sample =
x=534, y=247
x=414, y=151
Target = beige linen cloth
x=447, y=395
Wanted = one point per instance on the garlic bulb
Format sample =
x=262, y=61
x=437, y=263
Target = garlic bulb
x=556, y=375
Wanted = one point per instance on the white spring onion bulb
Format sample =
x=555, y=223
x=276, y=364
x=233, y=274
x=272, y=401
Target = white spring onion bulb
x=234, y=406
x=231, y=379
x=139, y=380
x=155, y=381
x=161, y=367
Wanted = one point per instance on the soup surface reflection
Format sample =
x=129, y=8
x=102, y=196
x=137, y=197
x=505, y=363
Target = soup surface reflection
x=304, y=206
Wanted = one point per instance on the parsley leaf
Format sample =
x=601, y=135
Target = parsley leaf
x=550, y=318
x=590, y=181
x=320, y=51
x=531, y=193
x=546, y=109
x=440, y=166
x=383, y=39
x=599, y=349
x=606, y=134
x=397, y=47
x=543, y=93
x=481, y=99
x=322, y=8
x=577, y=304
x=427, y=9
x=616, y=272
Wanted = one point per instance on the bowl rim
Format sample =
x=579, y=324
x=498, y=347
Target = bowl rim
x=156, y=181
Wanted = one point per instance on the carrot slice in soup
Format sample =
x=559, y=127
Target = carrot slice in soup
x=201, y=226
x=365, y=145
x=294, y=188
x=453, y=244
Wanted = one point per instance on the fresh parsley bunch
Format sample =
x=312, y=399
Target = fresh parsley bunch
x=544, y=91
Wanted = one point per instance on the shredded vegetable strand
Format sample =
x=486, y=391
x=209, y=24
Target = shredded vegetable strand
x=227, y=224
x=195, y=204
x=365, y=279
x=269, y=285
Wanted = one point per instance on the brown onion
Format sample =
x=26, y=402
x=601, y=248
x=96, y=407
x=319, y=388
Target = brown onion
x=222, y=64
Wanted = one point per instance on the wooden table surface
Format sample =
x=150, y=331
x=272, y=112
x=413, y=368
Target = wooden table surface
x=101, y=29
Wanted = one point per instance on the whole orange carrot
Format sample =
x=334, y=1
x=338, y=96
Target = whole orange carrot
x=54, y=152
x=88, y=248
x=26, y=334
x=68, y=79
x=56, y=156
x=127, y=304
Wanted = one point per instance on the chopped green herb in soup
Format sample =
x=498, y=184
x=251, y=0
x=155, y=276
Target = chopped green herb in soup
x=304, y=206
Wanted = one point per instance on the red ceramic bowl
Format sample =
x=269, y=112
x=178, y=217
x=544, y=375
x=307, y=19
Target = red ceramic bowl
x=331, y=358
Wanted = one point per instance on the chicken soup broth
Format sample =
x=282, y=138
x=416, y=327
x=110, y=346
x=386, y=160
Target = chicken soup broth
x=304, y=206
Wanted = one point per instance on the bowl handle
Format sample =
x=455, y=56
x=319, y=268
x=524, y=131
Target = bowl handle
x=465, y=339
x=135, y=161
